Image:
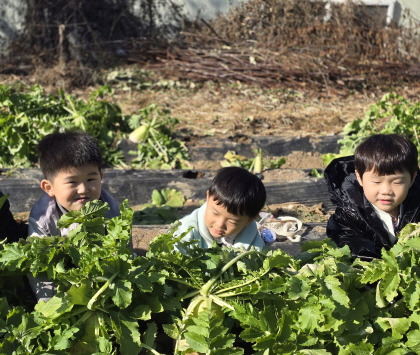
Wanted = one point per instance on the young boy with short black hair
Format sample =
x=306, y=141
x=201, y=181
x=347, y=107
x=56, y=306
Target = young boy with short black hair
x=234, y=200
x=376, y=193
x=71, y=164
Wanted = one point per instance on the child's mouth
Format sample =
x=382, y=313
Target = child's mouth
x=385, y=202
x=82, y=199
x=219, y=233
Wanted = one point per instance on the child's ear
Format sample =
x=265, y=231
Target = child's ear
x=359, y=178
x=413, y=178
x=46, y=185
x=207, y=195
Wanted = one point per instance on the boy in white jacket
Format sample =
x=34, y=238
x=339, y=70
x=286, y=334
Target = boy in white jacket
x=234, y=200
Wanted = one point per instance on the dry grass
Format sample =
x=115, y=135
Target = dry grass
x=253, y=111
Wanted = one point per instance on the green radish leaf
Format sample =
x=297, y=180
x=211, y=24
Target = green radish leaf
x=80, y=295
x=149, y=336
x=3, y=199
x=172, y=197
x=158, y=198
x=123, y=293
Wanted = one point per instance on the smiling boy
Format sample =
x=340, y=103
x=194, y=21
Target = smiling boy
x=376, y=193
x=233, y=201
x=71, y=164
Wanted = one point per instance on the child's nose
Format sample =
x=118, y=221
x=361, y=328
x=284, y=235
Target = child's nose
x=386, y=189
x=82, y=188
x=220, y=223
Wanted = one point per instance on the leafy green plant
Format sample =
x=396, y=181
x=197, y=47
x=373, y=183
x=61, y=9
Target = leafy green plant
x=28, y=114
x=315, y=173
x=162, y=210
x=96, y=279
x=256, y=164
x=214, y=301
x=211, y=286
x=392, y=114
x=157, y=148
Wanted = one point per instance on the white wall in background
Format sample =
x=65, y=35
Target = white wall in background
x=191, y=9
x=208, y=9
x=12, y=16
x=413, y=8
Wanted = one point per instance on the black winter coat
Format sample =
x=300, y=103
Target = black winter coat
x=355, y=222
x=8, y=226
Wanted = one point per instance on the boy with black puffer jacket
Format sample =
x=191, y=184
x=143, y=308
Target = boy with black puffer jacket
x=376, y=193
x=234, y=200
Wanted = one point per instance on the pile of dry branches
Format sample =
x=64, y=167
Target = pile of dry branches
x=272, y=42
x=293, y=43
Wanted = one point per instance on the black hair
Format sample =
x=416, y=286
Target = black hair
x=240, y=191
x=386, y=154
x=61, y=151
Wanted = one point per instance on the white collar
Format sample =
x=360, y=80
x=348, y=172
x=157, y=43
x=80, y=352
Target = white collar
x=386, y=219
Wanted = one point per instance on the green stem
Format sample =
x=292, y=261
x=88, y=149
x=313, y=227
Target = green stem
x=150, y=349
x=83, y=318
x=72, y=314
x=220, y=302
x=101, y=290
x=156, y=148
x=189, y=310
x=180, y=281
x=164, y=151
x=205, y=290
x=191, y=294
x=220, y=292
x=230, y=294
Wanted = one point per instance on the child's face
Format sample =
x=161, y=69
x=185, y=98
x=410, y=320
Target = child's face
x=74, y=187
x=386, y=192
x=220, y=222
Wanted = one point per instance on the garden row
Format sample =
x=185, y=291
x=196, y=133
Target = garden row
x=214, y=301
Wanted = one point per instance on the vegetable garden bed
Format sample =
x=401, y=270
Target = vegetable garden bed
x=282, y=185
x=136, y=185
x=214, y=301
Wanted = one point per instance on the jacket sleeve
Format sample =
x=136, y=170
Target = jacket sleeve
x=43, y=288
x=346, y=229
x=35, y=230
